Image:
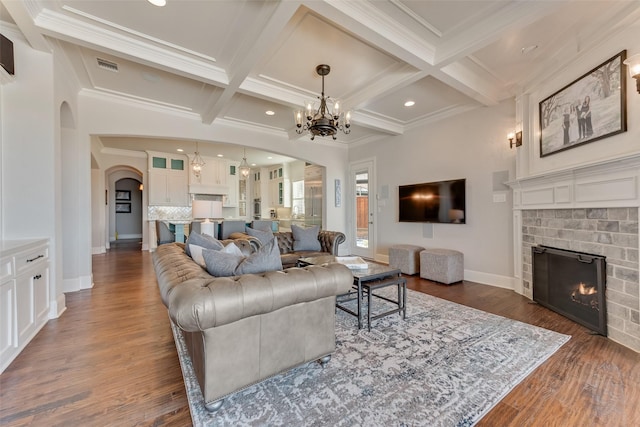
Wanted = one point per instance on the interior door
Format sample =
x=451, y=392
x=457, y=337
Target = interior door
x=363, y=218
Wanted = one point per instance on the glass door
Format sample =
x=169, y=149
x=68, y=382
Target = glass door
x=363, y=210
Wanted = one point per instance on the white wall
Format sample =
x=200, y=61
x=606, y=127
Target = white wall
x=30, y=150
x=472, y=146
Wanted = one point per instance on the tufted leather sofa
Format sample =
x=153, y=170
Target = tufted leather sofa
x=329, y=241
x=242, y=330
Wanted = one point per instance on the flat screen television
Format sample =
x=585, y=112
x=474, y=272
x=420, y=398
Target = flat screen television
x=440, y=202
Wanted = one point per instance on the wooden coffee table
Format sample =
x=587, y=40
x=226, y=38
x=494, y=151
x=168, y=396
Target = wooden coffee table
x=367, y=280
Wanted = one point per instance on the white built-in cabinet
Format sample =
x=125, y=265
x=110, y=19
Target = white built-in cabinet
x=230, y=199
x=218, y=176
x=24, y=295
x=255, y=189
x=279, y=186
x=168, y=179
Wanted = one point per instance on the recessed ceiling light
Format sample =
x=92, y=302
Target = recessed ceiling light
x=528, y=49
x=220, y=155
x=409, y=103
x=269, y=157
x=180, y=150
x=269, y=113
x=158, y=3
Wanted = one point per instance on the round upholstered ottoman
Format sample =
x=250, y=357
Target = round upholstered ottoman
x=405, y=257
x=442, y=265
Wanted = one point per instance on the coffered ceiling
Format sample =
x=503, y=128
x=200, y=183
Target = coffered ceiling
x=233, y=60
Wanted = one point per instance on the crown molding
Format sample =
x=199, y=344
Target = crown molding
x=75, y=31
x=244, y=125
x=121, y=152
x=138, y=103
x=442, y=114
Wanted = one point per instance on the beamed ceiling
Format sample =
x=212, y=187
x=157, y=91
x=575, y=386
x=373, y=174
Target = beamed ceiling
x=231, y=61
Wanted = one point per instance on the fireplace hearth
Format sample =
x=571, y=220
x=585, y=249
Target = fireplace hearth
x=572, y=284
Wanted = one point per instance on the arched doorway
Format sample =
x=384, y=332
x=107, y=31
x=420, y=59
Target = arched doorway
x=128, y=213
x=125, y=210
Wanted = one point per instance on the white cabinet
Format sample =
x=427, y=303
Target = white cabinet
x=230, y=199
x=255, y=189
x=24, y=295
x=214, y=177
x=168, y=179
x=279, y=186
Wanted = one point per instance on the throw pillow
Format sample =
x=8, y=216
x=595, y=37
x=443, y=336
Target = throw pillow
x=232, y=249
x=305, y=239
x=264, y=236
x=203, y=240
x=196, y=254
x=267, y=258
x=221, y=264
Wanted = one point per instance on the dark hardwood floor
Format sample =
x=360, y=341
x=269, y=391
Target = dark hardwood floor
x=110, y=360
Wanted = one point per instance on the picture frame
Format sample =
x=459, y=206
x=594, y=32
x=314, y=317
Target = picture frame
x=123, y=207
x=592, y=107
x=338, y=193
x=123, y=195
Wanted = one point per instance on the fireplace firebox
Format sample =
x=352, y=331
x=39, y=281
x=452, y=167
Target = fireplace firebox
x=572, y=284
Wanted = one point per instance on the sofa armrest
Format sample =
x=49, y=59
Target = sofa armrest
x=199, y=304
x=330, y=240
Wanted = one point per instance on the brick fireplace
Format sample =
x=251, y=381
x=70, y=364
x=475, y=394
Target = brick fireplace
x=592, y=210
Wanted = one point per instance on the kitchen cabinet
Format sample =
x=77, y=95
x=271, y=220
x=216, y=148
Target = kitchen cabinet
x=216, y=177
x=255, y=190
x=280, y=193
x=168, y=179
x=230, y=199
x=279, y=186
x=24, y=295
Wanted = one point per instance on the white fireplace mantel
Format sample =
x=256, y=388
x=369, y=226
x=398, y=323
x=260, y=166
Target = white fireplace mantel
x=607, y=184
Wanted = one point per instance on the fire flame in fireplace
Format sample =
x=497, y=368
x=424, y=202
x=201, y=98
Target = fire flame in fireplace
x=583, y=295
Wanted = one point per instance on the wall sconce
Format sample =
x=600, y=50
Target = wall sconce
x=633, y=63
x=517, y=136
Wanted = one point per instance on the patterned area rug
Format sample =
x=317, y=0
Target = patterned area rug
x=445, y=365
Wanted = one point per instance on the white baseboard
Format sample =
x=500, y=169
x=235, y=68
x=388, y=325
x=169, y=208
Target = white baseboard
x=57, y=307
x=496, y=280
x=77, y=284
x=381, y=258
x=125, y=236
x=98, y=250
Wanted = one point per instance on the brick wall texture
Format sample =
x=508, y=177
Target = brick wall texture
x=612, y=232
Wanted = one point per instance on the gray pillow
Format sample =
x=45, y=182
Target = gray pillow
x=221, y=264
x=203, y=240
x=267, y=258
x=264, y=236
x=305, y=239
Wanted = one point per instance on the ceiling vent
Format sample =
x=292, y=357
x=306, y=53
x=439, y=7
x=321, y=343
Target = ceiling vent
x=107, y=65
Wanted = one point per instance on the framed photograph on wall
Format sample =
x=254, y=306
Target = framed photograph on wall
x=123, y=207
x=123, y=195
x=590, y=108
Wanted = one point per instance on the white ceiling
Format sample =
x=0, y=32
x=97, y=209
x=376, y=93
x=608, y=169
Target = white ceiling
x=235, y=59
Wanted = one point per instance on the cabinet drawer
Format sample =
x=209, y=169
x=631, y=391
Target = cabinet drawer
x=30, y=258
x=6, y=268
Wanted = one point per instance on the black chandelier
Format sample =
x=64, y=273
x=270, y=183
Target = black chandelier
x=323, y=122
